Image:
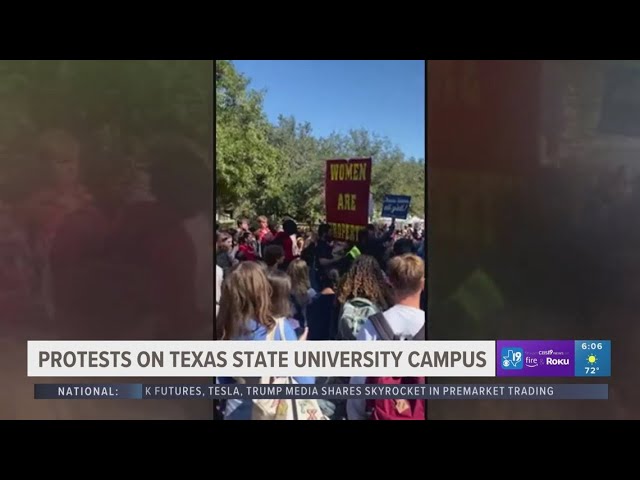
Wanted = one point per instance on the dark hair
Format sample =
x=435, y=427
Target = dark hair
x=290, y=227
x=243, y=237
x=272, y=254
x=402, y=246
x=329, y=279
x=220, y=236
x=324, y=229
x=280, y=293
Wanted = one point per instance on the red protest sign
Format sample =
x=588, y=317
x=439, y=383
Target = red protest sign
x=347, y=184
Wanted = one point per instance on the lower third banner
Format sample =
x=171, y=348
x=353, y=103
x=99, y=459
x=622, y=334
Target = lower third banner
x=218, y=392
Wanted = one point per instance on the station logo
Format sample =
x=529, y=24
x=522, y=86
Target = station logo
x=535, y=358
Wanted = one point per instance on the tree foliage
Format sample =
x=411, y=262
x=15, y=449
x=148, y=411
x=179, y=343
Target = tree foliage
x=278, y=169
x=247, y=163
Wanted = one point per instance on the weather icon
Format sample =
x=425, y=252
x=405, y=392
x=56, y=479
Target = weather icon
x=592, y=359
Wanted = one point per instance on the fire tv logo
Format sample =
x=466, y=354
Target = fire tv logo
x=531, y=362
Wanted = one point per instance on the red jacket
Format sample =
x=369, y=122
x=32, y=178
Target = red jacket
x=287, y=244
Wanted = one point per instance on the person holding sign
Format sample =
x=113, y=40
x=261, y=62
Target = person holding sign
x=324, y=257
x=347, y=196
x=373, y=245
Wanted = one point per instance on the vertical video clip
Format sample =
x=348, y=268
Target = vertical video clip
x=320, y=192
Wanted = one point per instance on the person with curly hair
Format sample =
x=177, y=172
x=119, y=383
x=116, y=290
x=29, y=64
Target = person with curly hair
x=362, y=292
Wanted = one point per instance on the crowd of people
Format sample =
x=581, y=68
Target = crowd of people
x=279, y=282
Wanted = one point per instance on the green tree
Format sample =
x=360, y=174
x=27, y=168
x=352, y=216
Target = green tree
x=279, y=169
x=302, y=187
x=247, y=164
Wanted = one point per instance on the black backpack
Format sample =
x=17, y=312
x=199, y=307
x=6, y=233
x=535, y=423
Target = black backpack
x=386, y=333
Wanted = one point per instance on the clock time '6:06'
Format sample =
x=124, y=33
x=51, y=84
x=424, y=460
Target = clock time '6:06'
x=593, y=358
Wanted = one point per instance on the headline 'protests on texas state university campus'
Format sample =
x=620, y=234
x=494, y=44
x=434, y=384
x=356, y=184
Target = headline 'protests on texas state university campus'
x=502, y=358
x=347, y=187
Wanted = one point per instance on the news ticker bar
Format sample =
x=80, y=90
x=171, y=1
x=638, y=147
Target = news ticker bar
x=137, y=391
x=465, y=359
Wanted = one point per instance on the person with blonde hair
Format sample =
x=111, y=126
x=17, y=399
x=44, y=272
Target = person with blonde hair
x=404, y=321
x=247, y=313
x=406, y=275
x=301, y=291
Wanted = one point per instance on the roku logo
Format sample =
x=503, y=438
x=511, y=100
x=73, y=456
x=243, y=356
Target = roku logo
x=557, y=361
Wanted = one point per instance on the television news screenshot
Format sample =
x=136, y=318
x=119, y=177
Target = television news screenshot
x=371, y=240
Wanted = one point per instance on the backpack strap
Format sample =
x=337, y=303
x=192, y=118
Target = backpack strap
x=382, y=327
x=421, y=334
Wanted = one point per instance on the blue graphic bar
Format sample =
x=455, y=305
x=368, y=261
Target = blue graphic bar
x=281, y=391
x=122, y=391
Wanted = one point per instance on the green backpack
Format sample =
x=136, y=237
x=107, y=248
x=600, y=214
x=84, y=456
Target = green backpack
x=352, y=316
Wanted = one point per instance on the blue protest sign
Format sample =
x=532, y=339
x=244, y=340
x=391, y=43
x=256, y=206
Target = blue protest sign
x=396, y=206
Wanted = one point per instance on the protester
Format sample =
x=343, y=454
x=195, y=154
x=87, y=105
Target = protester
x=301, y=291
x=287, y=239
x=246, y=313
x=281, y=307
x=373, y=244
x=322, y=254
x=274, y=256
x=405, y=320
x=322, y=312
x=223, y=251
x=403, y=246
x=246, y=251
x=363, y=291
x=243, y=225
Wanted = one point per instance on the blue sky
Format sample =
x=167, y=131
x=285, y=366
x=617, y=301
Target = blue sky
x=386, y=97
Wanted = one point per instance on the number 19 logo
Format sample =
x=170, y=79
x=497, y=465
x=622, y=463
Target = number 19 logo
x=512, y=358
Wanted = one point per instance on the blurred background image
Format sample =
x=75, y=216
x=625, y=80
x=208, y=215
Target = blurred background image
x=533, y=197
x=106, y=218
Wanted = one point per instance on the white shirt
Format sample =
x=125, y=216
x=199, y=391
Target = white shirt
x=405, y=322
x=219, y=278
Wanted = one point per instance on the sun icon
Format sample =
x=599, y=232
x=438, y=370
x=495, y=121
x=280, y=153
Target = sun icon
x=592, y=359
